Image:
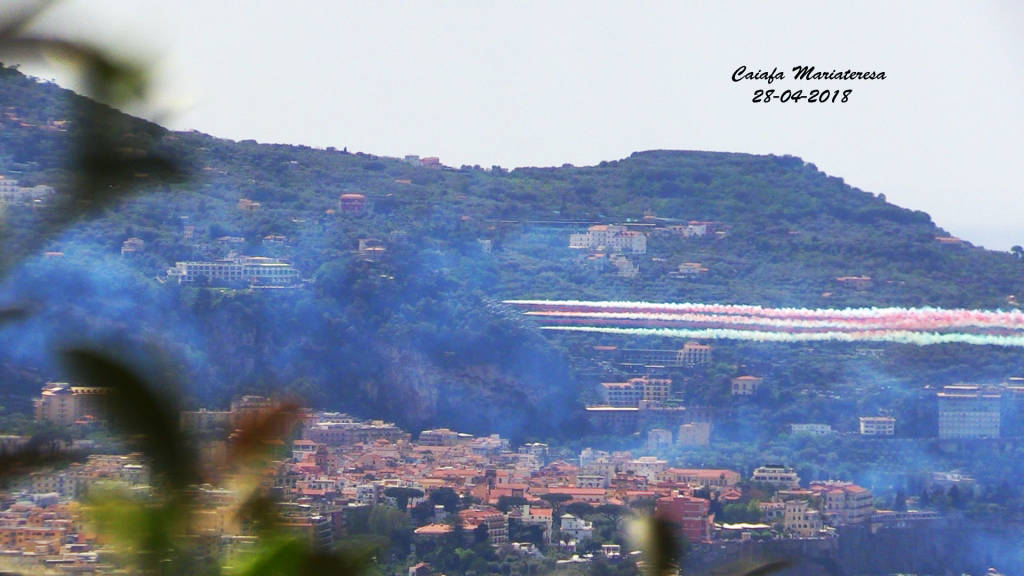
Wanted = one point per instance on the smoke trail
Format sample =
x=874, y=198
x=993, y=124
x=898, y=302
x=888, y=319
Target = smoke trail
x=897, y=336
x=1013, y=318
x=850, y=324
x=920, y=326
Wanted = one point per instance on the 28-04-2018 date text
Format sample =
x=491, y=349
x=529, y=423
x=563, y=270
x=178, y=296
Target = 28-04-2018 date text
x=799, y=96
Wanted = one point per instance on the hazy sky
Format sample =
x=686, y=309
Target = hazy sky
x=548, y=83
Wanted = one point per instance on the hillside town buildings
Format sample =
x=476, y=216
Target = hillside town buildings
x=340, y=468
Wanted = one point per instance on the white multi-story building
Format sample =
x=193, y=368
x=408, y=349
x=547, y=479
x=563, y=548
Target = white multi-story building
x=694, y=434
x=811, y=429
x=576, y=528
x=652, y=391
x=659, y=439
x=254, y=270
x=776, y=475
x=800, y=519
x=877, y=425
x=694, y=354
x=647, y=466
x=132, y=245
x=969, y=412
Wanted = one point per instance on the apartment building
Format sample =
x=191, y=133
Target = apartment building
x=63, y=404
x=695, y=354
x=967, y=411
x=637, y=391
x=610, y=237
x=693, y=515
x=844, y=502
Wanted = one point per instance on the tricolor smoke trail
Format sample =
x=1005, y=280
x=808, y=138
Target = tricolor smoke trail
x=919, y=326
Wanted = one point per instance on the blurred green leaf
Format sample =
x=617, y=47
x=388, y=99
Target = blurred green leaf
x=342, y=563
x=294, y=557
x=33, y=457
x=256, y=434
x=259, y=513
x=283, y=557
x=107, y=79
x=17, y=18
x=134, y=406
x=662, y=547
x=142, y=530
x=106, y=167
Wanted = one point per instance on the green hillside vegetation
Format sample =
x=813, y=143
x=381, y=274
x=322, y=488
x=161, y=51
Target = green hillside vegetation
x=418, y=333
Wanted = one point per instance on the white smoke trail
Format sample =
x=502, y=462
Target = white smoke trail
x=924, y=323
x=961, y=317
x=897, y=336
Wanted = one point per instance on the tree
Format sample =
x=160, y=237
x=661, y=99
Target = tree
x=900, y=501
x=402, y=494
x=1018, y=252
x=480, y=534
x=446, y=497
x=423, y=512
x=579, y=509
x=555, y=499
x=507, y=502
x=955, y=500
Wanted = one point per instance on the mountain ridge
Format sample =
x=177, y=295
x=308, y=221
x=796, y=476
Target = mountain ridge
x=416, y=324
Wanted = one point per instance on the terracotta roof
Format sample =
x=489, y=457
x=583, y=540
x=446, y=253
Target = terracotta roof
x=434, y=530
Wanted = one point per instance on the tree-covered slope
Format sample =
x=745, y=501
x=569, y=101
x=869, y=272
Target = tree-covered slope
x=418, y=333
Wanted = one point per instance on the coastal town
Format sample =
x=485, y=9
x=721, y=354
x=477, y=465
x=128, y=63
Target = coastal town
x=335, y=476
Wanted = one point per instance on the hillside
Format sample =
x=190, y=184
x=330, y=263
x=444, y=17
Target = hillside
x=415, y=331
